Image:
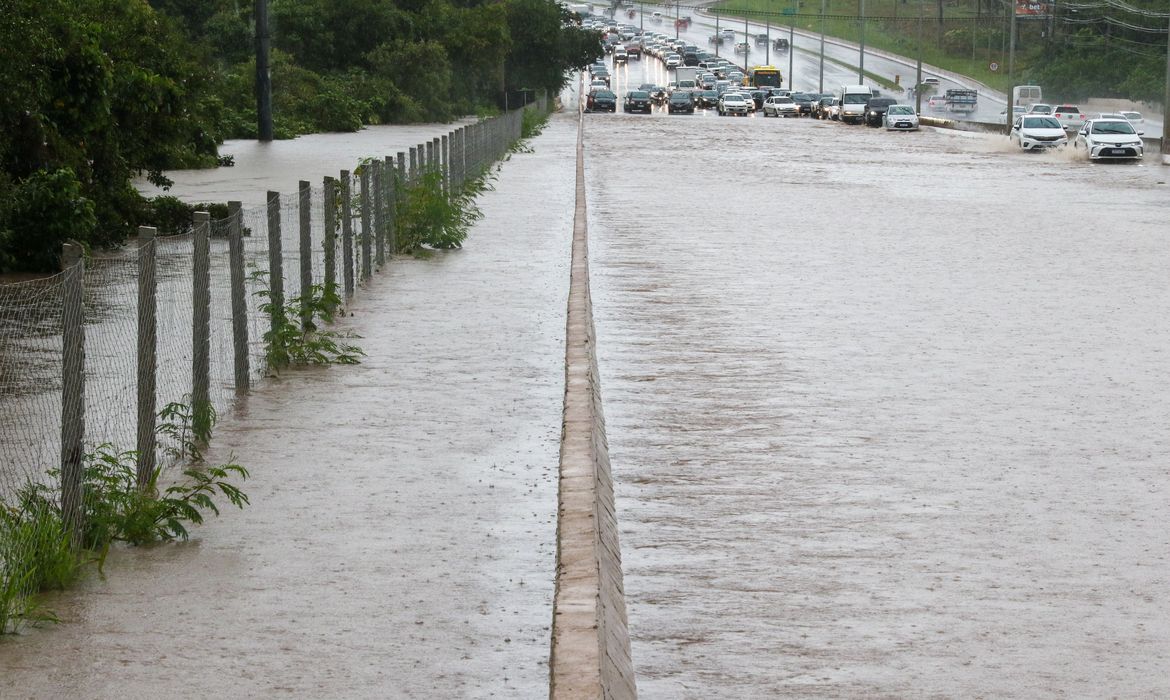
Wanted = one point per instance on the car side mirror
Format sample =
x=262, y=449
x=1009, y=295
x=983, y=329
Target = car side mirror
x=1141, y=133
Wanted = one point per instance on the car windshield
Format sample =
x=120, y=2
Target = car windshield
x=900, y=109
x=605, y=94
x=732, y=98
x=1132, y=115
x=681, y=97
x=639, y=95
x=1117, y=127
x=855, y=99
x=1041, y=123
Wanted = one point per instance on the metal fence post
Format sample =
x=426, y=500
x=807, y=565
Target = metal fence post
x=201, y=410
x=147, y=355
x=305, y=212
x=366, y=224
x=445, y=164
x=275, y=263
x=391, y=206
x=379, y=202
x=72, y=389
x=347, y=232
x=330, y=239
x=239, y=297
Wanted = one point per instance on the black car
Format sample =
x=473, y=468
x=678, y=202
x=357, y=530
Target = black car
x=680, y=101
x=706, y=99
x=637, y=101
x=820, y=108
x=758, y=96
x=805, y=101
x=601, y=101
x=875, y=110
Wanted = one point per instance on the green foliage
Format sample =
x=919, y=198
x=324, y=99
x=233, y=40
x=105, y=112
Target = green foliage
x=108, y=89
x=39, y=214
x=36, y=554
x=118, y=509
x=188, y=427
x=431, y=218
x=298, y=336
x=532, y=123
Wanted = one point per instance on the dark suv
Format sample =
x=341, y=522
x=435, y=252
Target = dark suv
x=601, y=101
x=875, y=110
x=637, y=101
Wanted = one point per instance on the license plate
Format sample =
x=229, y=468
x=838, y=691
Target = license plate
x=1116, y=151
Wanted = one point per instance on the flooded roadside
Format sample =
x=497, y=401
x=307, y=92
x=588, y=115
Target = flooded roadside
x=400, y=541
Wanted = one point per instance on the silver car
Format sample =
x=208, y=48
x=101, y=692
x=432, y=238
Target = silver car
x=780, y=106
x=901, y=118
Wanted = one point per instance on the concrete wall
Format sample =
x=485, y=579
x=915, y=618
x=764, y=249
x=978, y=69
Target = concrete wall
x=590, y=656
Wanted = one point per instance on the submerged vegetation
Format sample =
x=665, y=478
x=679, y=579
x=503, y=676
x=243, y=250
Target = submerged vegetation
x=37, y=552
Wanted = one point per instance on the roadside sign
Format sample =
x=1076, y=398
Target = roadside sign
x=994, y=66
x=788, y=11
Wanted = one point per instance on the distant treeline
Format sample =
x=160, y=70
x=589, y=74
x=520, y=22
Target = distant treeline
x=97, y=91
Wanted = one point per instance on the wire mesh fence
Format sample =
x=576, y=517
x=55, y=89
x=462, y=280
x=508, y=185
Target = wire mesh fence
x=90, y=356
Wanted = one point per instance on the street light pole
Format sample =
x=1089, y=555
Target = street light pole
x=918, y=72
x=821, y=80
x=747, y=44
x=768, y=43
x=675, y=19
x=791, y=51
x=718, y=36
x=861, y=61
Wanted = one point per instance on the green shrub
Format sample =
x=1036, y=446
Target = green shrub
x=38, y=215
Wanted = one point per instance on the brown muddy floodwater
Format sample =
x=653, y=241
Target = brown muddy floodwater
x=887, y=412
x=401, y=537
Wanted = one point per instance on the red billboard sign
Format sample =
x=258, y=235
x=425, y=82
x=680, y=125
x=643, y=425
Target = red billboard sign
x=1033, y=8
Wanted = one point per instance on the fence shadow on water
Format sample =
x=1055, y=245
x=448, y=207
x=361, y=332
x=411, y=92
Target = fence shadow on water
x=92, y=354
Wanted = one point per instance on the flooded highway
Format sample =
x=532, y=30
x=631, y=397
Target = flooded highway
x=887, y=411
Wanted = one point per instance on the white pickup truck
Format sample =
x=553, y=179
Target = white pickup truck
x=1070, y=117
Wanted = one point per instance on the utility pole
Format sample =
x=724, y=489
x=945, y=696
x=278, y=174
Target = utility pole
x=918, y=72
x=263, y=79
x=1166, y=107
x=791, y=51
x=768, y=43
x=718, y=36
x=1012, y=41
x=861, y=61
x=675, y=19
x=642, y=22
x=821, y=80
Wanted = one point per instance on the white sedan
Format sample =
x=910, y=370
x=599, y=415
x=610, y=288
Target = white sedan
x=1037, y=133
x=780, y=106
x=733, y=103
x=901, y=118
x=1110, y=138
